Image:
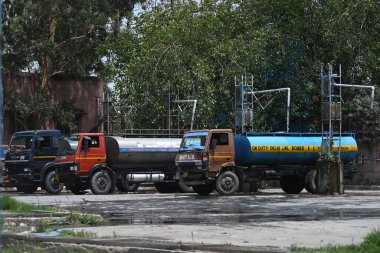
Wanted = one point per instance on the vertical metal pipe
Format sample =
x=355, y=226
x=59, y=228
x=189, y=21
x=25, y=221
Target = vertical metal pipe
x=288, y=111
x=241, y=101
x=330, y=112
x=193, y=114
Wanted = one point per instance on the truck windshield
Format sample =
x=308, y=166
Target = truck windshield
x=21, y=143
x=192, y=141
x=68, y=145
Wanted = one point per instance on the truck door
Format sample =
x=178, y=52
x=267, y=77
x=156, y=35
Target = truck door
x=220, y=150
x=45, y=150
x=91, y=153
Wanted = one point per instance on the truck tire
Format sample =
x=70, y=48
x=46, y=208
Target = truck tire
x=127, y=187
x=310, y=184
x=292, y=184
x=101, y=182
x=204, y=189
x=183, y=188
x=27, y=188
x=50, y=184
x=166, y=187
x=227, y=183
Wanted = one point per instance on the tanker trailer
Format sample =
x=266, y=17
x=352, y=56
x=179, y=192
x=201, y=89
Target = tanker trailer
x=91, y=160
x=216, y=159
x=139, y=160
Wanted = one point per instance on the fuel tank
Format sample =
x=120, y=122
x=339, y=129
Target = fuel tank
x=288, y=148
x=145, y=153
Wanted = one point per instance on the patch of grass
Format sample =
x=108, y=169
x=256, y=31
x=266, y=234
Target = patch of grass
x=371, y=244
x=87, y=219
x=9, y=204
x=82, y=234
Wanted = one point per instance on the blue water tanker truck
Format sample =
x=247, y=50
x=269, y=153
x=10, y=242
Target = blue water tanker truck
x=218, y=159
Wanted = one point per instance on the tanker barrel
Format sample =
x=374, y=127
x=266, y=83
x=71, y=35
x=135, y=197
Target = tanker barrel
x=112, y=150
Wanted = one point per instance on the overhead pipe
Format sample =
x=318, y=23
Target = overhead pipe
x=359, y=86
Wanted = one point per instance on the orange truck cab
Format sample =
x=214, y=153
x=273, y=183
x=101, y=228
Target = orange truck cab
x=80, y=157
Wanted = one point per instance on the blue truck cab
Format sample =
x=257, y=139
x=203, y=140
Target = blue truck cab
x=28, y=153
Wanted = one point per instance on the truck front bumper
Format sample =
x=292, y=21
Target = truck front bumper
x=191, y=166
x=67, y=172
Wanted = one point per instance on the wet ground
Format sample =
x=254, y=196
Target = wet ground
x=271, y=218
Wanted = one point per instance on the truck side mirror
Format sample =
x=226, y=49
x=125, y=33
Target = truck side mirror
x=85, y=143
x=213, y=143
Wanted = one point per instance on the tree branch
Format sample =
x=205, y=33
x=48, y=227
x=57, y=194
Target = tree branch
x=75, y=38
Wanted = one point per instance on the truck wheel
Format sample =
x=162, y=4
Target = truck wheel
x=227, y=183
x=292, y=184
x=50, y=184
x=166, y=187
x=183, y=188
x=27, y=188
x=127, y=187
x=204, y=189
x=101, y=182
x=310, y=184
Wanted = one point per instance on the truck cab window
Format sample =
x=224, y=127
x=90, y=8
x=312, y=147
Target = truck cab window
x=221, y=139
x=93, y=141
x=46, y=142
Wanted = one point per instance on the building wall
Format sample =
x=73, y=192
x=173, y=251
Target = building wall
x=369, y=174
x=85, y=92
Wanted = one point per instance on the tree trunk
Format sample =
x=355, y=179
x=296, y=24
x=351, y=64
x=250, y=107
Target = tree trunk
x=47, y=63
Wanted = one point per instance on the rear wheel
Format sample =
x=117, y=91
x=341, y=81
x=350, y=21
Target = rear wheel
x=27, y=188
x=50, y=184
x=227, y=183
x=292, y=184
x=204, y=189
x=127, y=187
x=101, y=182
x=310, y=182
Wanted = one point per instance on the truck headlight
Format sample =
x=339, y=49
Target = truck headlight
x=27, y=170
x=74, y=168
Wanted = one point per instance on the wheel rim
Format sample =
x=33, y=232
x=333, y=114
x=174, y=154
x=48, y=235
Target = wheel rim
x=101, y=183
x=228, y=183
x=54, y=183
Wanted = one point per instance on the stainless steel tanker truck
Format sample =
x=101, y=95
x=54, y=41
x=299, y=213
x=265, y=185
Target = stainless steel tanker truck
x=218, y=159
x=92, y=160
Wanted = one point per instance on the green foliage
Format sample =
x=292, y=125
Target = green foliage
x=82, y=234
x=87, y=219
x=53, y=37
x=196, y=49
x=371, y=244
x=9, y=204
x=31, y=111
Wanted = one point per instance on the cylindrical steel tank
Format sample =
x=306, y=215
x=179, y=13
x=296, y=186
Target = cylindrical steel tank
x=146, y=153
x=287, y=148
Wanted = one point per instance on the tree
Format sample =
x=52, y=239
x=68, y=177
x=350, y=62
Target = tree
x=198, y=49
x=54, y=37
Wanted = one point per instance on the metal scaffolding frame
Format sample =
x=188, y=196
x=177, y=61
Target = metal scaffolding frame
x=331, y=124
x=245, y=97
